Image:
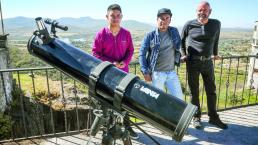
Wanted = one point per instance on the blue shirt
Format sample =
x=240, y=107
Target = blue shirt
x=149, y=50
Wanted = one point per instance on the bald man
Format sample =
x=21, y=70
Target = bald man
x=200, y=38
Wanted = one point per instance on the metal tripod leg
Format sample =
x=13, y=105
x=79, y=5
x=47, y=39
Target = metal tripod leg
x=110, y=141
x=107, y=139
x=127, y=141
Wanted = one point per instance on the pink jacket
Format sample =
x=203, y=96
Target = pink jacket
x=114, y=48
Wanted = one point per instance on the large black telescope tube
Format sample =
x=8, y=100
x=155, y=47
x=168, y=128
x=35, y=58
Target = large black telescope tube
x=167, y=113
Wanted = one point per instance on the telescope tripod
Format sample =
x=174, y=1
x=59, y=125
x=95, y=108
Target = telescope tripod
x=111, y=120
x=113, y=127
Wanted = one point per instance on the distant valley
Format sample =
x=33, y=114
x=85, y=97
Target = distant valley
x=22, y=27
x=81, y=32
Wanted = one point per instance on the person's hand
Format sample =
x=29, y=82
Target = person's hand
x=117, y=64
x=122, y=64
x=215, y=57
x=183, y=58
x=147, y=77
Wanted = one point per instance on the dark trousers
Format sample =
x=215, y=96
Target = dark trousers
x=205, y=68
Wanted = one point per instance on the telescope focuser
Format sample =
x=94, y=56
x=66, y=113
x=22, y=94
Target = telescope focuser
x=42, y=31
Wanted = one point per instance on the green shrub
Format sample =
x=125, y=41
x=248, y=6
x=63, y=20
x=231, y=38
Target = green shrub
x=5, y=126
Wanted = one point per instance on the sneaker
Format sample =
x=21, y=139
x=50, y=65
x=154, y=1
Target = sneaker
x=217, y=122
x=133, y=135
x=197, y=123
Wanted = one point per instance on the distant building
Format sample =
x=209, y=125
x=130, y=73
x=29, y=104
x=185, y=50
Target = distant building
x=253, y=65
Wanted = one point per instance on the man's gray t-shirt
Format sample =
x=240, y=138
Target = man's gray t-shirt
x=166, y=57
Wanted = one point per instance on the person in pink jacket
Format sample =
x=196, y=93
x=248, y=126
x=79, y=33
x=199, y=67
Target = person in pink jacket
x=114, y=43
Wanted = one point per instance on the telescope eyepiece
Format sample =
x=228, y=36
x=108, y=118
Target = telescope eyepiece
x=40, y=24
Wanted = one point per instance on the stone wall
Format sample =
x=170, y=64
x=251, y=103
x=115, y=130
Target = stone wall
x=5, y=77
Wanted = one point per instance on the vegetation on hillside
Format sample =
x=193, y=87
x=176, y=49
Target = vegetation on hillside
x=231, y=43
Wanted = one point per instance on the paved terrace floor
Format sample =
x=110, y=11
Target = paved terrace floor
x=243, y=130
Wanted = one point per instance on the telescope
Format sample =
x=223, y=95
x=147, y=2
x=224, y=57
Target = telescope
x=114, y=87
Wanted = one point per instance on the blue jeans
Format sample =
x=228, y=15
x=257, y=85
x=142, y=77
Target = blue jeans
x=169, y=80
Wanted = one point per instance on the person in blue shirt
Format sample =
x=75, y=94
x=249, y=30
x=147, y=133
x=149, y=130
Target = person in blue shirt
x=160, y=54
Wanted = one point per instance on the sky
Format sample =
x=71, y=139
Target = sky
x=231, y=13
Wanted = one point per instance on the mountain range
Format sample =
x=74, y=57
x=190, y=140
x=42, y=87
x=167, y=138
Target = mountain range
x=74, y=24
x=20, y=27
